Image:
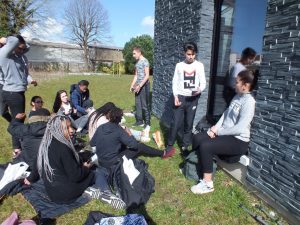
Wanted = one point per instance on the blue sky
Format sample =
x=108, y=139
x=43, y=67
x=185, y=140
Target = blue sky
x=130, y=18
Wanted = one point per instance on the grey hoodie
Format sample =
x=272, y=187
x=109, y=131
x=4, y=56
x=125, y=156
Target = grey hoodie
x=14, y=67
x=236, y=120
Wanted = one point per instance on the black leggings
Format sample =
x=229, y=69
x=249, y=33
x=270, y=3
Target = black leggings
x=207, y=147
x=142, y=150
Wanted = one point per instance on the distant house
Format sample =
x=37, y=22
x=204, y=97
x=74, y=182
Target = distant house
x=45, y=55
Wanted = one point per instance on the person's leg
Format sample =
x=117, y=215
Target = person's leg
x=178, y=113
x=16, y=103
x=138, y=109
x=4, y=108
x=81, y=122
x=100, y=180
x=145, y=92
x=190, y=110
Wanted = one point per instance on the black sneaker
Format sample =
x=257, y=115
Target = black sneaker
x=184, y=151
x=106, y=196
x=136, y=124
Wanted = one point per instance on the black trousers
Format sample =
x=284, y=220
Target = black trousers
x=3, y=107
x=141, y=150
x=142, y=106
x=16, y=104
x=183, y=115
x=207, y=147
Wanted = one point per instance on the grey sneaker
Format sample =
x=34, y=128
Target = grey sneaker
x=106, y=196
x=203, y=187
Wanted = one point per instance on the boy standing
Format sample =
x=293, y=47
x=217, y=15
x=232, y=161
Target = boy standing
x=140, y=85
x=188, y=84
x=247, y=58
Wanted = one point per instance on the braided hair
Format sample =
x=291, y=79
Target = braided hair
x=55, y=128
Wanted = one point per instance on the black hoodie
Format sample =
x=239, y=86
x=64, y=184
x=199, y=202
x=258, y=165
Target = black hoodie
x=110, y=139
x=31, y=136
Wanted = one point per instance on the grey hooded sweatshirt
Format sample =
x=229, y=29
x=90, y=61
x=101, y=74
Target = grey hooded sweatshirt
x=14, y=67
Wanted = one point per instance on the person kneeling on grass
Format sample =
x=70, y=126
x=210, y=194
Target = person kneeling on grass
x=112, y=142
x=231, y=135
x=65, y=177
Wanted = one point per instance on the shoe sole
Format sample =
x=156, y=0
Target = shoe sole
x=115, y=202
x=201, y=193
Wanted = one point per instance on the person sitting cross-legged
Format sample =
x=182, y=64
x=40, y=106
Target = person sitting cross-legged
x=231, y=135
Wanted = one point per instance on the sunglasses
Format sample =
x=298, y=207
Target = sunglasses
x=41, y=102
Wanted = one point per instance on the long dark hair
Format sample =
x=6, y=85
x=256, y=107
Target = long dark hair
x=103, y=110
x=57, y=100
x=248, y=77
x=115, y=115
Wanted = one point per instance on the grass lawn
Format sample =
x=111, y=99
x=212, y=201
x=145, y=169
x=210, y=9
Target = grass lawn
x=172, y=202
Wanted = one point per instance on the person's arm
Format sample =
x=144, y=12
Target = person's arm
x=133, y=81
x=175, y=82
x=74, y=171
x=75, y=99
x=202, y=79
x=9, y=46
x=18, y=129
x=127, y=140
x=93, y=141
x=246, y=115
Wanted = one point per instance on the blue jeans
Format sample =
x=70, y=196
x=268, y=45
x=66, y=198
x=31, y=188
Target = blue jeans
x=100, y=179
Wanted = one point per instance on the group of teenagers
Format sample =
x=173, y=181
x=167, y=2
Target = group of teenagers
x=47, y=141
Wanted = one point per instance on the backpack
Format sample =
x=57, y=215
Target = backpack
x=192, y=169
x=137, y=193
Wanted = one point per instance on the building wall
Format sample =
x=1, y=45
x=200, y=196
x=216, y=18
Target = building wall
x=175, y=23
x=48, y=56
x=274, y=147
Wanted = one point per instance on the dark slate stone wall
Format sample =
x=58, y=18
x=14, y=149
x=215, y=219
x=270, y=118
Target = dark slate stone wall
x=274, y=148
x=175, y=23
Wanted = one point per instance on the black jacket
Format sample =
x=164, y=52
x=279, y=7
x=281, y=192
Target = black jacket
x=110, y=139
x=31, y=136
x=70, y=178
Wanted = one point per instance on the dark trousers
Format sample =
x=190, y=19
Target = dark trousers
x=16, y=104
x=3, y=107
x=183, y=115
x=142, y=104
x=207, y=147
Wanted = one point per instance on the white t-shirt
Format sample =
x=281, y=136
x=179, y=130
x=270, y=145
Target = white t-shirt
x=188, y=78
x=235, y=70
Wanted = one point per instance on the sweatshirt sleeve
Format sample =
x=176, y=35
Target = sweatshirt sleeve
x=220, y=121
x=175, y=81
x=75, y=99
x=245, y=117
x=9, y=47
x=74, y=171
x=127, y=140
x=202, y=78
x=18, y=129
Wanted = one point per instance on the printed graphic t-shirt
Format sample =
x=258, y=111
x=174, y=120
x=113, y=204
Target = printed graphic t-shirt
x=140, y=69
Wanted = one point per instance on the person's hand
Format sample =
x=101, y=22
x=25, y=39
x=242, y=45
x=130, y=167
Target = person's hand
x=214, y=129
x=3, y=40
x=87, y=164
x=34, y=83
x=137, y=89
x=27, y=182
x=74, y=110
x=196, y=92
x=128, y=131
x=131, y=89
x=177, y=101
x=211, y=134
x=20, y=116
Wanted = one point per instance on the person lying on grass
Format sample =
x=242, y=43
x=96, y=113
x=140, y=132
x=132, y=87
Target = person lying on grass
x=31, y=135
x=65, y=176
x=231, y=135
x=112, y=142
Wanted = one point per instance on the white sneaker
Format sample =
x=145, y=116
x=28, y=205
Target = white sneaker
x=106, y=196
x=145, y=139
x=203, y=187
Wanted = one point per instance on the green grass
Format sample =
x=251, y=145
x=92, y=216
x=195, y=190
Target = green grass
x=172, y=202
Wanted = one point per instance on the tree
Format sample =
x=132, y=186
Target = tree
x=145, y=42
x=88, y=22
x=18, y=14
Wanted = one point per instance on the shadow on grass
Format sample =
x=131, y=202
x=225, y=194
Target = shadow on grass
x=143, y=211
